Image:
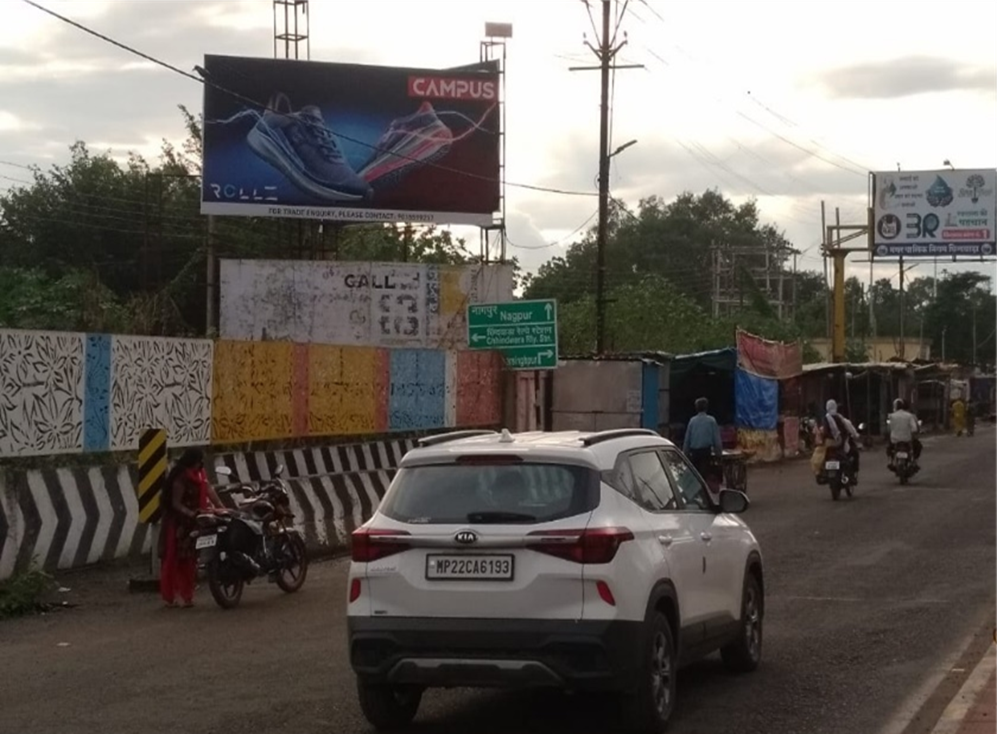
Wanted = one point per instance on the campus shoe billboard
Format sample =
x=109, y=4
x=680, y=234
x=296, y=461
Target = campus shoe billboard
x=350, y=142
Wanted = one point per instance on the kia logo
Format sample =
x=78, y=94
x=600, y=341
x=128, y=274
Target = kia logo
x=466, y=537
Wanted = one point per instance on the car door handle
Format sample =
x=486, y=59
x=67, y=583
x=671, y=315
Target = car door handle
x=706, y=537
x=665, y=540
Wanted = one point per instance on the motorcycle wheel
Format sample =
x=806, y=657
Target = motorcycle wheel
x=226, y=594
x=835, y=485
x=294, y=547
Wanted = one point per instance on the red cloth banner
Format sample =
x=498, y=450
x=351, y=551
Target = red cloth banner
x=766, y=358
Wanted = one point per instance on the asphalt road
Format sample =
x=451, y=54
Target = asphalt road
x=866, y=598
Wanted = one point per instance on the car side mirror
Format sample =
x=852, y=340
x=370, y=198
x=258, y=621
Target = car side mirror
x=733, y=501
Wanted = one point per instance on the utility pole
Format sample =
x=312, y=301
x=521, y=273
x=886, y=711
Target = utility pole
x=902, y=307
x=605, y=53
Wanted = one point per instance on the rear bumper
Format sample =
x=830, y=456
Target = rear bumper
x=495, y=653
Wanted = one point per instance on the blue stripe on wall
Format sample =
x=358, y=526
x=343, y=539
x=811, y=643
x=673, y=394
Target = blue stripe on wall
x=417, y=395
x=97, y=393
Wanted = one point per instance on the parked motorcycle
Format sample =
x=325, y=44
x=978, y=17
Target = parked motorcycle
x=256, y=539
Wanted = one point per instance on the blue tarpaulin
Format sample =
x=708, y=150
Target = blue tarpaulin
x=756, y=401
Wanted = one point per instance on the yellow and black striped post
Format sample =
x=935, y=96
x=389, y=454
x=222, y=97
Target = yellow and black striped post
x=151, y=474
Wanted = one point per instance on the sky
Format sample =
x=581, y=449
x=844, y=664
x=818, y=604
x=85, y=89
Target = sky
x=789, y=103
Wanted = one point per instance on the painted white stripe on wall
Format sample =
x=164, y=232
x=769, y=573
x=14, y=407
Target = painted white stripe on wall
x=358, y=518
x=241, y=467
x=368, y=484
x=15, y=529
x=337, y=462
x=39, y=493
x=78, y=516
x=105, y=512
x=338, y=511
x=368, y=456
x=131, y=512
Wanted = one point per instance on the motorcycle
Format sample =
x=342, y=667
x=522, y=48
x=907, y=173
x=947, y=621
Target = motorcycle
x=838, y=471
x=808, y=433
x=254, y=540
x=904, y=465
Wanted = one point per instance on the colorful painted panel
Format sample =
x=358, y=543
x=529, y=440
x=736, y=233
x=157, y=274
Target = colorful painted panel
x=41, y=393
x=417, y=397
x=160, y=383
x=347, y=389
x=479, y=389
x=253, y=388
x=97, y=394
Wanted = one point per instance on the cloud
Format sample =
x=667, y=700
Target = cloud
x=907, y=76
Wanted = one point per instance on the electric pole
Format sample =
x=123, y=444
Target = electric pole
x=605, y=53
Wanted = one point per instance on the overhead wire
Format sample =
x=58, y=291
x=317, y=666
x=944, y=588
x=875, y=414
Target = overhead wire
x=256, y=103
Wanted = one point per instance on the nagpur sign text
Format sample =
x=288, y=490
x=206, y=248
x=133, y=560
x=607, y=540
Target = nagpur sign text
x=525, y=332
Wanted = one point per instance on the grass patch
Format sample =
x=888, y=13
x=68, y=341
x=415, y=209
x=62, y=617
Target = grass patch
x=23, y=593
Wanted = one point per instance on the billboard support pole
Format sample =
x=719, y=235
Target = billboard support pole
x=496, y=35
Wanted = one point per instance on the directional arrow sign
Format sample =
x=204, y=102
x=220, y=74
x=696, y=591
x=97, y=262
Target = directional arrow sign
x=525, y=332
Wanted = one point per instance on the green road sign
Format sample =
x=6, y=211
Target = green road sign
x=525, y=332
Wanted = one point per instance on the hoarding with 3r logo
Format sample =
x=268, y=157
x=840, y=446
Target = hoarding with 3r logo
x=350, y=142
x=935, y=213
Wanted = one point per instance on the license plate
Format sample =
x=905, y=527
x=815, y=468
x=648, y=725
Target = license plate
x=901, y=454
x=207, y=541
x=469, y=567
x=832, y=465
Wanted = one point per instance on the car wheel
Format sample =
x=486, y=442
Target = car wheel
x=649, y=708
x=743, y=654
x=388, y=707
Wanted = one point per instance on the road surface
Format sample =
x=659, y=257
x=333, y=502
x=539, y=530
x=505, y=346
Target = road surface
x=866, y=600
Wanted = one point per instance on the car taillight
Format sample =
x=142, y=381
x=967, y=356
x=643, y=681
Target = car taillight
x=594, y=545
x=372, y=545
x=354, y=590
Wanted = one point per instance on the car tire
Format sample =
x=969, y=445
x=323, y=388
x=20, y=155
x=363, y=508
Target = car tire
x=745, y=653
x=388, y=707
x=648, y=708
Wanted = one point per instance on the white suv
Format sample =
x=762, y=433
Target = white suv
x=584, y=561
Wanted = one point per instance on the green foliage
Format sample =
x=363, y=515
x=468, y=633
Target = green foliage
x=23, y=593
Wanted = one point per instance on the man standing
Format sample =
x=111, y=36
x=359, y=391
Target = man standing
x=703, y=444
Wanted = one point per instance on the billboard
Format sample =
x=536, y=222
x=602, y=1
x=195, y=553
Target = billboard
x=367, y=304
x=350, y=142
x=935, y=213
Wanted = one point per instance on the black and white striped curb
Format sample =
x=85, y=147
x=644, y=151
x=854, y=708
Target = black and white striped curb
x=66, y=518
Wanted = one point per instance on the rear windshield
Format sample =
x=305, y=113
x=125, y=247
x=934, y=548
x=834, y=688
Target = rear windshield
x=507, y=494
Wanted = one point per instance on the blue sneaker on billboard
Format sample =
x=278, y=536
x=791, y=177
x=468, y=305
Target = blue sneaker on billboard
x=409, y=143
x=301, y=146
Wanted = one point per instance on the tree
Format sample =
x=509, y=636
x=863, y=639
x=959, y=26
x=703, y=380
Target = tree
x=673, y=240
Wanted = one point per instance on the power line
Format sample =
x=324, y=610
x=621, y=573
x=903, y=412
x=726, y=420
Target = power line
x=564, y=239
x=256, y=103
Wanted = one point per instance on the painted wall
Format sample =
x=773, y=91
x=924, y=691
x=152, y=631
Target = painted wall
x=63, y=392
x=276, y=390
x=355, y=303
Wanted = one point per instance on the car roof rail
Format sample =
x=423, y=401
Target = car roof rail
x=453, y=436
x=593, y=439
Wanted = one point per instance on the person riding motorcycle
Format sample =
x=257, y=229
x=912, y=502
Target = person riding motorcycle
x=844, y=434
x=903, y=429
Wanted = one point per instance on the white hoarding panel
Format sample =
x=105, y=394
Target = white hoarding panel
x=935, y=213
x=355, y=303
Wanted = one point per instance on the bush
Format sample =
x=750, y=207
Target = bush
x=22, y=593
